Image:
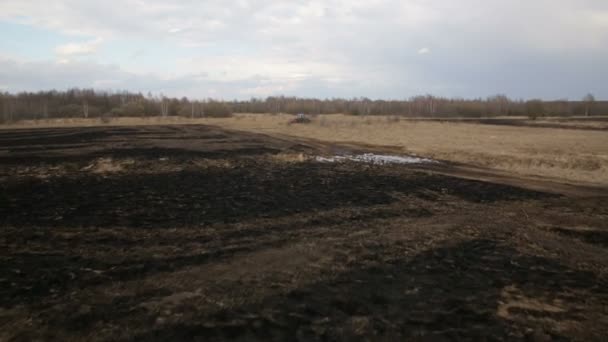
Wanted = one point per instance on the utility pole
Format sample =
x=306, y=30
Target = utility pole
x=45, y=110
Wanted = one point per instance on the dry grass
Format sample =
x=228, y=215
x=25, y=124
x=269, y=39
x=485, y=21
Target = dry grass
x=567, y=154
x=290, y=157
x=108, y=165
x=119, y=121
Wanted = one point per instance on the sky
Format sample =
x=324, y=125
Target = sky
x=388, y=49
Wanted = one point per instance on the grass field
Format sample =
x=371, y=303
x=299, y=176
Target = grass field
x=571, y=153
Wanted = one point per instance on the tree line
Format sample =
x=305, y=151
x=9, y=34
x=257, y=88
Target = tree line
x=89, y=103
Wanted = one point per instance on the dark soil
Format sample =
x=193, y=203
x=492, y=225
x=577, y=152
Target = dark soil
x=563, y=123
x=196, y=233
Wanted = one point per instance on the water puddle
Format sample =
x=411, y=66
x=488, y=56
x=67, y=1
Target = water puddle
x=372, y=158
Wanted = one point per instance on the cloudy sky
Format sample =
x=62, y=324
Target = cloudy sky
x=323, y=48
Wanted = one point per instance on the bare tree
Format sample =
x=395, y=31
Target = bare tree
x=9, y=107
x=535, y=108
x=589, y=100
x=90, y=103
x=499, y=104
x=5, y=109
x=45, y=109
x=164, y=107
x=85, y=108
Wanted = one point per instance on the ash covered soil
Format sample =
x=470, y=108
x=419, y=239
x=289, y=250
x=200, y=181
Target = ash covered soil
x=197, y=233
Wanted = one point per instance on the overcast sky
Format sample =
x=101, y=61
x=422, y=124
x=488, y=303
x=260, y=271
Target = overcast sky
x=323, y=48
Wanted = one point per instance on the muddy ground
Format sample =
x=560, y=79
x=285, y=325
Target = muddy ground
x=592, y=123
x=197, y=233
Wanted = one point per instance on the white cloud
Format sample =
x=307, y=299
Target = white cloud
x=32, y=76
x=78, y=49
x=372, y=46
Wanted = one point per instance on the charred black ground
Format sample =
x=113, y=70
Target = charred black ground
x=196, y=233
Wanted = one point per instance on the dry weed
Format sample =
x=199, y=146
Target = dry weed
x=290, y=157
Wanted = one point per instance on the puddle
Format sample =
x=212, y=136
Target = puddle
x=376, y=159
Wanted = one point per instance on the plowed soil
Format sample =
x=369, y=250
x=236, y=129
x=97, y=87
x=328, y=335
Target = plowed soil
x=159, y=233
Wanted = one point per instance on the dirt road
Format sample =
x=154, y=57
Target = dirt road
x=198, y=233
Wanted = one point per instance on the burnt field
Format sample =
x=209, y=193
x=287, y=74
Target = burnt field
x=198, y=233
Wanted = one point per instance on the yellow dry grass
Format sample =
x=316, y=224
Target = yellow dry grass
x=566, y=154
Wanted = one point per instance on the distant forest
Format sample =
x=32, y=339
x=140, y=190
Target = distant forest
x=88, y=103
